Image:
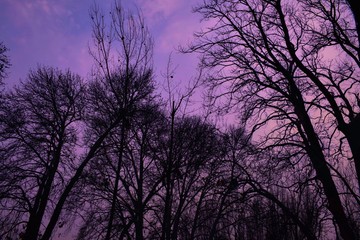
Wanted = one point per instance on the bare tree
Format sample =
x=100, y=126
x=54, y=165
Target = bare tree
x=139, y=179
x=335, y=28
x=41, y=124
x=266, y=54
x=38, y=134
x=122, y=51
x=196, y=150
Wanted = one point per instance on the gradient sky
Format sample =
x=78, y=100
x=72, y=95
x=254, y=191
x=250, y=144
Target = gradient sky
x=57, y=33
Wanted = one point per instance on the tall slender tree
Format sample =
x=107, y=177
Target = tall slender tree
x=123, y=87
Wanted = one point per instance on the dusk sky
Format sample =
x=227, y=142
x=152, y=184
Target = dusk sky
x=270, y=135
x=58, y=33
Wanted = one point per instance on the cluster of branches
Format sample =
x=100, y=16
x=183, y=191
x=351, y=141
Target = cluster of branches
x=108, y=159
x=291, y=69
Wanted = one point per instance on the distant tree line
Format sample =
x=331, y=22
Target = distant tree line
x=106, y=158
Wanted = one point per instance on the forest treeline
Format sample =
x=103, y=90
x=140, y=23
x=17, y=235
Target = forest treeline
x=107, y=158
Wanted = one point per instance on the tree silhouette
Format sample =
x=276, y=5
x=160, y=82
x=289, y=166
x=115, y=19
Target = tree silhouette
x=123, y=88
x=123, y=163
x=38, y=134
x=269, y=55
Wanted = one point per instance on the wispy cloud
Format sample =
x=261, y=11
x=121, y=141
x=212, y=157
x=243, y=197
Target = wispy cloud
x=53, y=33
x=28, y=12
x=57, y=33
x=157, y=10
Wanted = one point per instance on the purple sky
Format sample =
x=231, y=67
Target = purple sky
x=57, y=33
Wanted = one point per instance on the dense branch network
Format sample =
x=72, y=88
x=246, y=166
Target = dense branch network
x=107, y=158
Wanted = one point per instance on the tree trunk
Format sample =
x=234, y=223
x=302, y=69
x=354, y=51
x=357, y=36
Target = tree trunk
x=353, y=137
x=117, y=179
x=197, y=215
x=319, y=163
x=139, y=207
x=355, y=9
x=59, y=206
x=166, y=223
x=34, y=224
